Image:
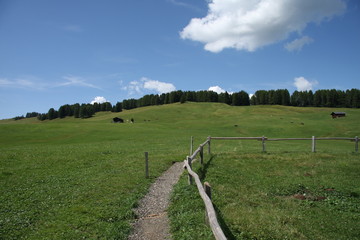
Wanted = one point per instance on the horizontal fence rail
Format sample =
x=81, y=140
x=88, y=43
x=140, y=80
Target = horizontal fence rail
x=238, y=138
x=313, y=139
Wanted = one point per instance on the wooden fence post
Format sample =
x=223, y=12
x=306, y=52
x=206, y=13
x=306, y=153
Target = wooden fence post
x=191, y=145
x=146, y=165
x=190, y=178
x=313, y=144
x=201, y=155
x=263, y=144
x=209, y=149
x=356, y=144
x=207, y=189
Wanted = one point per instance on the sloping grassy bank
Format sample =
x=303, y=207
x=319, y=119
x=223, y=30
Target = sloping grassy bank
x=72, y=178
x=288, y=192
x=79, y=178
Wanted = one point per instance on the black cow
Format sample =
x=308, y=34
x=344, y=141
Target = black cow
x=337, y=114
x=117, y=120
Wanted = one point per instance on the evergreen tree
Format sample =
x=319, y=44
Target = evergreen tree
x=261, y=97
x=76, y=110
x=236, y=99
x=190, y=96
x=167, y=98
x=162, y=98
x=62, y=112
x=118, y=107
x=102, y=107
x=183, y=98
x=32, y=114
x=244, y=98
x=108, y=106
x=227, y=98
x=42, y=116
x=52, y=114
x=271, y=97
x=253, y=100
x=213, y=96
x=317, y=99
x=310, y=98
x=86, y=110
x=97, y=107
x=353, y=98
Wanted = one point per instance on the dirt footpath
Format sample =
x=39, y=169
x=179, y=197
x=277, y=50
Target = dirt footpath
x=153, y=222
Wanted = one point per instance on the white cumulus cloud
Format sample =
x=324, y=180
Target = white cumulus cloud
x=160, y=87
x=134, y=87
x=137, y=87
x=251, y=24
x=302, y=84
x=216, y=89
x=98, y=100
x=297, y=44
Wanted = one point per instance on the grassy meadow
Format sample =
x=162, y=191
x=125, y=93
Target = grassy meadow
x=79, y=178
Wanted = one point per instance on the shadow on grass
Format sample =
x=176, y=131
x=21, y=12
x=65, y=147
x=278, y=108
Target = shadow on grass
x=204, y=168
x=202, y=175
x=223, y=225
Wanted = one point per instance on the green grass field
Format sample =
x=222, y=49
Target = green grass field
x=75, y=178
x=284, y=195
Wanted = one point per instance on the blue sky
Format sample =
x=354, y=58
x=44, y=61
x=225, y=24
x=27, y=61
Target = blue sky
x=76, y=51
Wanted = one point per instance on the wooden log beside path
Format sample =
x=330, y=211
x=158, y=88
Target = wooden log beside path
x=211, y=214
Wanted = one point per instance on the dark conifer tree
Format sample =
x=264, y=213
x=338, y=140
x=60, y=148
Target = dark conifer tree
x=76, y=110
x=236, y=99
x=118, y=107
x=167, y=98
x=62, y=112
x=244, y=98
x=52, y=114
x=253, y=100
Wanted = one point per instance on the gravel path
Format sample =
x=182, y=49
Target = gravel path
x=153, y=222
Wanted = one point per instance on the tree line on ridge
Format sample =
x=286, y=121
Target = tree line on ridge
x=321, y=98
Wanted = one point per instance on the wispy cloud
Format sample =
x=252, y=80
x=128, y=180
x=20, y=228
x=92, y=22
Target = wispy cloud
x=250, y=25
x=5, y=82
x=298, y=44
x=183, y=4
x=134, y=87
x=76, y=81
x=27, y=82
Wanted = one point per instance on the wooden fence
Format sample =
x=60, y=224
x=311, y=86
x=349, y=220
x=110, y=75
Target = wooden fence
x=210, y=211
x=204, y=193
x=313, y=139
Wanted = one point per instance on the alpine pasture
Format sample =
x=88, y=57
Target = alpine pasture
x=80, y=178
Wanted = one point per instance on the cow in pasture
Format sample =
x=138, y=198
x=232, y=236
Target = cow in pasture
x=117, y=120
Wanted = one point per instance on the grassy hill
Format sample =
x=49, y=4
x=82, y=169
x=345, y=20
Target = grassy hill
x=72, y=178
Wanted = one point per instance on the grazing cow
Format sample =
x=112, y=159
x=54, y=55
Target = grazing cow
x=117, y=120
x=337, y=114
